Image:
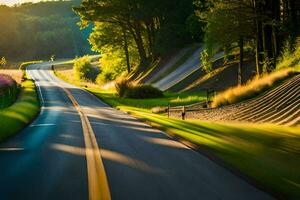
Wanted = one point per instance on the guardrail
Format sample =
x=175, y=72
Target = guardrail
x=187, y=108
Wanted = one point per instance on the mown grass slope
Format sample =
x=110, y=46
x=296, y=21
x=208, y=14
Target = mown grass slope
x=21, y=113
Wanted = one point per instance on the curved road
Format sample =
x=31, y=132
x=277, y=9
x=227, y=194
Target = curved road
x=58, y=155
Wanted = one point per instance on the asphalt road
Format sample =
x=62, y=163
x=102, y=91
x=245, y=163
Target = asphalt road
x=48, y=159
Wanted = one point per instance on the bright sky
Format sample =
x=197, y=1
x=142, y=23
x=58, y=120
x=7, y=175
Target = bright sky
x=12, y=2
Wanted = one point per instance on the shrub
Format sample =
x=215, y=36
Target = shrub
x=122, y=87
x=143, y=92
x=251, y=89
x=290, y=56
x=21, y=113
x=84, y=70
x=8, y=91
x=125, y=89
x=3, y=62
x=205, y=58
x=106, y=76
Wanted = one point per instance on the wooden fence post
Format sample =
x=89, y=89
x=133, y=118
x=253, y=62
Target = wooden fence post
x=183, y=113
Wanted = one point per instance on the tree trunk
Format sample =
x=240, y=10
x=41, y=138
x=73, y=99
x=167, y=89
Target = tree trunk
x=126, y=51
x=140, y=43
x=241, y=46
x=293, y=15
x=150, y=38
x=258, y=37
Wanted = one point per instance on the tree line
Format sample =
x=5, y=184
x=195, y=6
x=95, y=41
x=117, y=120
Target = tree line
x=40, y=30
x=142, y=31
x=264, y=25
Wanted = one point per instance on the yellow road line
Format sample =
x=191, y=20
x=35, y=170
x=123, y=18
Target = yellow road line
x=97, y=180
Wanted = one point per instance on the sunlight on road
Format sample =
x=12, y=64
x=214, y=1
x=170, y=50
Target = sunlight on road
x=165, y=142
x=129, y=161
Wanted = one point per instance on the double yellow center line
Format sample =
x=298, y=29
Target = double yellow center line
x=97, y=180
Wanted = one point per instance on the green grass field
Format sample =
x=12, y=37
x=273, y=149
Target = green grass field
x=267, y=153
x=21, y=113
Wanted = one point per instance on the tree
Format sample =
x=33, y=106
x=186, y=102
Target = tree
x=229, y=22
x=265, y=22
x=152, y=27
x=3, y=62
x=54, y=26
x=122, y=13
x=106, y=36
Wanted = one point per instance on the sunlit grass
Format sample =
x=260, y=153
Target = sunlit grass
x=66, y=73
x=17, y=116
x=252, y=88
x=267, y=153
x=169, y=99
x=288, y=58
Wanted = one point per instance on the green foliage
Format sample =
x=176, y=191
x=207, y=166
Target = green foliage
x=290, y=56
x=21, y=113
x=145, y=28
x=143, y=92
x=84, y=70
x=196, y=27
x=107, y=39
x=3, y=62
x=127, y=90
x=207, y=65
x=8, y=91
x=113, y=63
x=122, y=86
x=40, y=30
x=228, y=22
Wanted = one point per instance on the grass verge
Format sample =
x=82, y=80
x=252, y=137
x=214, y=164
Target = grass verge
x=266, y=153
x=21, y=113
x=252, y=88
x=173, y=99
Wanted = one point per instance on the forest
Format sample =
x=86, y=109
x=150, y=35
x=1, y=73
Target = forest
x=139, y=33
x=41, y=30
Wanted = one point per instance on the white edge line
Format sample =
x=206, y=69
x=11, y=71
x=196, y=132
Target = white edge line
x=42, y=101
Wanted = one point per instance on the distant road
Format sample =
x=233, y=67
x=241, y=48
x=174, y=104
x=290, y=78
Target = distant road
x=58, y=157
